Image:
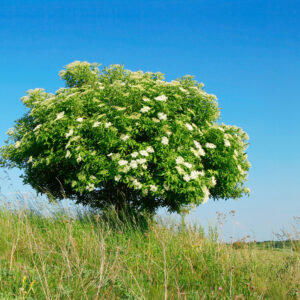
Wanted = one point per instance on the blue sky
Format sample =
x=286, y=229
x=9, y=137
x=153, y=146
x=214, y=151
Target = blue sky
x=245, y=52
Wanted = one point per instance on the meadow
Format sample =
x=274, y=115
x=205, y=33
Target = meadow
x=95, y=256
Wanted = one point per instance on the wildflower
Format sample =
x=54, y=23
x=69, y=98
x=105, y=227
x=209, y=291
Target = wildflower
x=162, y=98
x=162, y=116
x=189, y=126
x=69, y=133
x=165, y=140
x=133, y=164
x=227, y=143
x=144, y=153
x=118, y=177
x=210, y=145
x=37, y=127
x=124, y=137
x=145, y=109
x=150, y=149
x=108, y=124
x=60, y=116
x=96, y=124
x=123, y=162
x=79, y=119
x=153, y=188
x=134, y=154
x=179, y=160
x=188, y=165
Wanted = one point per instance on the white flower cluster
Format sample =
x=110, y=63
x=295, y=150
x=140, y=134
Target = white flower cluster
x=187, y=177
x=199, y=150
x=206, y=194
x=165, y=140
x=162, y=116
x=189, y=126
x=162, y=98
x=145, y=109
x=210, y=146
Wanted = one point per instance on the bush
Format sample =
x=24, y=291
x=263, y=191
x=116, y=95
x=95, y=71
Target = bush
x=123, y=138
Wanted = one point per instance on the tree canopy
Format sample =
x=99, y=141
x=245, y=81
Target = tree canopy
x=117, y=137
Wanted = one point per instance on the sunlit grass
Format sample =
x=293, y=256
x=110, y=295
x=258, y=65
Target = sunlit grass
x=92, y=257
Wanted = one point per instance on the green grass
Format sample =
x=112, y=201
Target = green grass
x=88, y=258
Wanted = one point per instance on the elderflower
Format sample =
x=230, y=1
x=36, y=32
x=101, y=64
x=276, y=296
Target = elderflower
x=189, y=126
x=206, y=194
x=108, y=124
x=79, y=119
x=141, y=160
x=150, y=149
x=37, y=127
x=17, y=144
x=133, y=164
x=180, y=170
x=60, y=116
x=162, y=98
x=153, y=188
x=210, y=146
x=162, y=116
x=179, y=160
x=96, y=124
x=227, y=143
x=124, y=137
x=186, y=178
x=118, y=177
x=213, y=181
x=188, y=165
x=68, y=154
x=134, y=154
x=146, y=99
x=144, y=153
x=122, y=162
x=165, y=140
x=145, y=109
x=90, y=187
x=69, y=133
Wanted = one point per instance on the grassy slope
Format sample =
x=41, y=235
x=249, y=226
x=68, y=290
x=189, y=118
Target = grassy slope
x=62, y=258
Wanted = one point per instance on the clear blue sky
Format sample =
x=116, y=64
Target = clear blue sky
x=245, y=52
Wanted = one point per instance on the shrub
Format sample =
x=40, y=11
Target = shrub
x=123, y=138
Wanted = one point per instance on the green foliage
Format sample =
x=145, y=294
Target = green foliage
x=127, y=138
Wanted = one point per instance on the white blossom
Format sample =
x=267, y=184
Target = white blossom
x=221, y=128
x=213, y=181
x=195, y=174
x=17, y=144
x=124, y=137
x=144, y=166
x=179, y=160
x=108, y=124
x=206, y=194
x=247, y=190
x=168, y=133
x=197, y=152
x=37, y=127
x=180, y=170
x=126, y=169
x=153, y=188
x=227, y=143
x=134, y=154
x=162, y=98
x=155, y=120
x=145, y=109
x=141, y=160
x=188, y=165
x=186, y=178
x=69, y=133
x=146, y=99
x=90, y=187
x=30, y=159
x=79, y=119
x=150, y=149
x=189, y=126
x=162, y=116
x=60, y=116
x=79, y=158
x=96, y=124
x=210, y=145
x=68, y=154
x=165, y=140
x=133, y=164
x=183, y=90
x=118, y=177
x=144, y=153
x=122, y=162
x=137, y=184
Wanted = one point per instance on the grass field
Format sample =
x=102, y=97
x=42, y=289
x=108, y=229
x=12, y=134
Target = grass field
x=89, y=258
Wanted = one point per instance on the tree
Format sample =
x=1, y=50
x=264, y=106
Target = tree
x=117, y=137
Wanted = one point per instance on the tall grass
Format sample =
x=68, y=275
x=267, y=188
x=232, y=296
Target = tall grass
x=97, y=257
